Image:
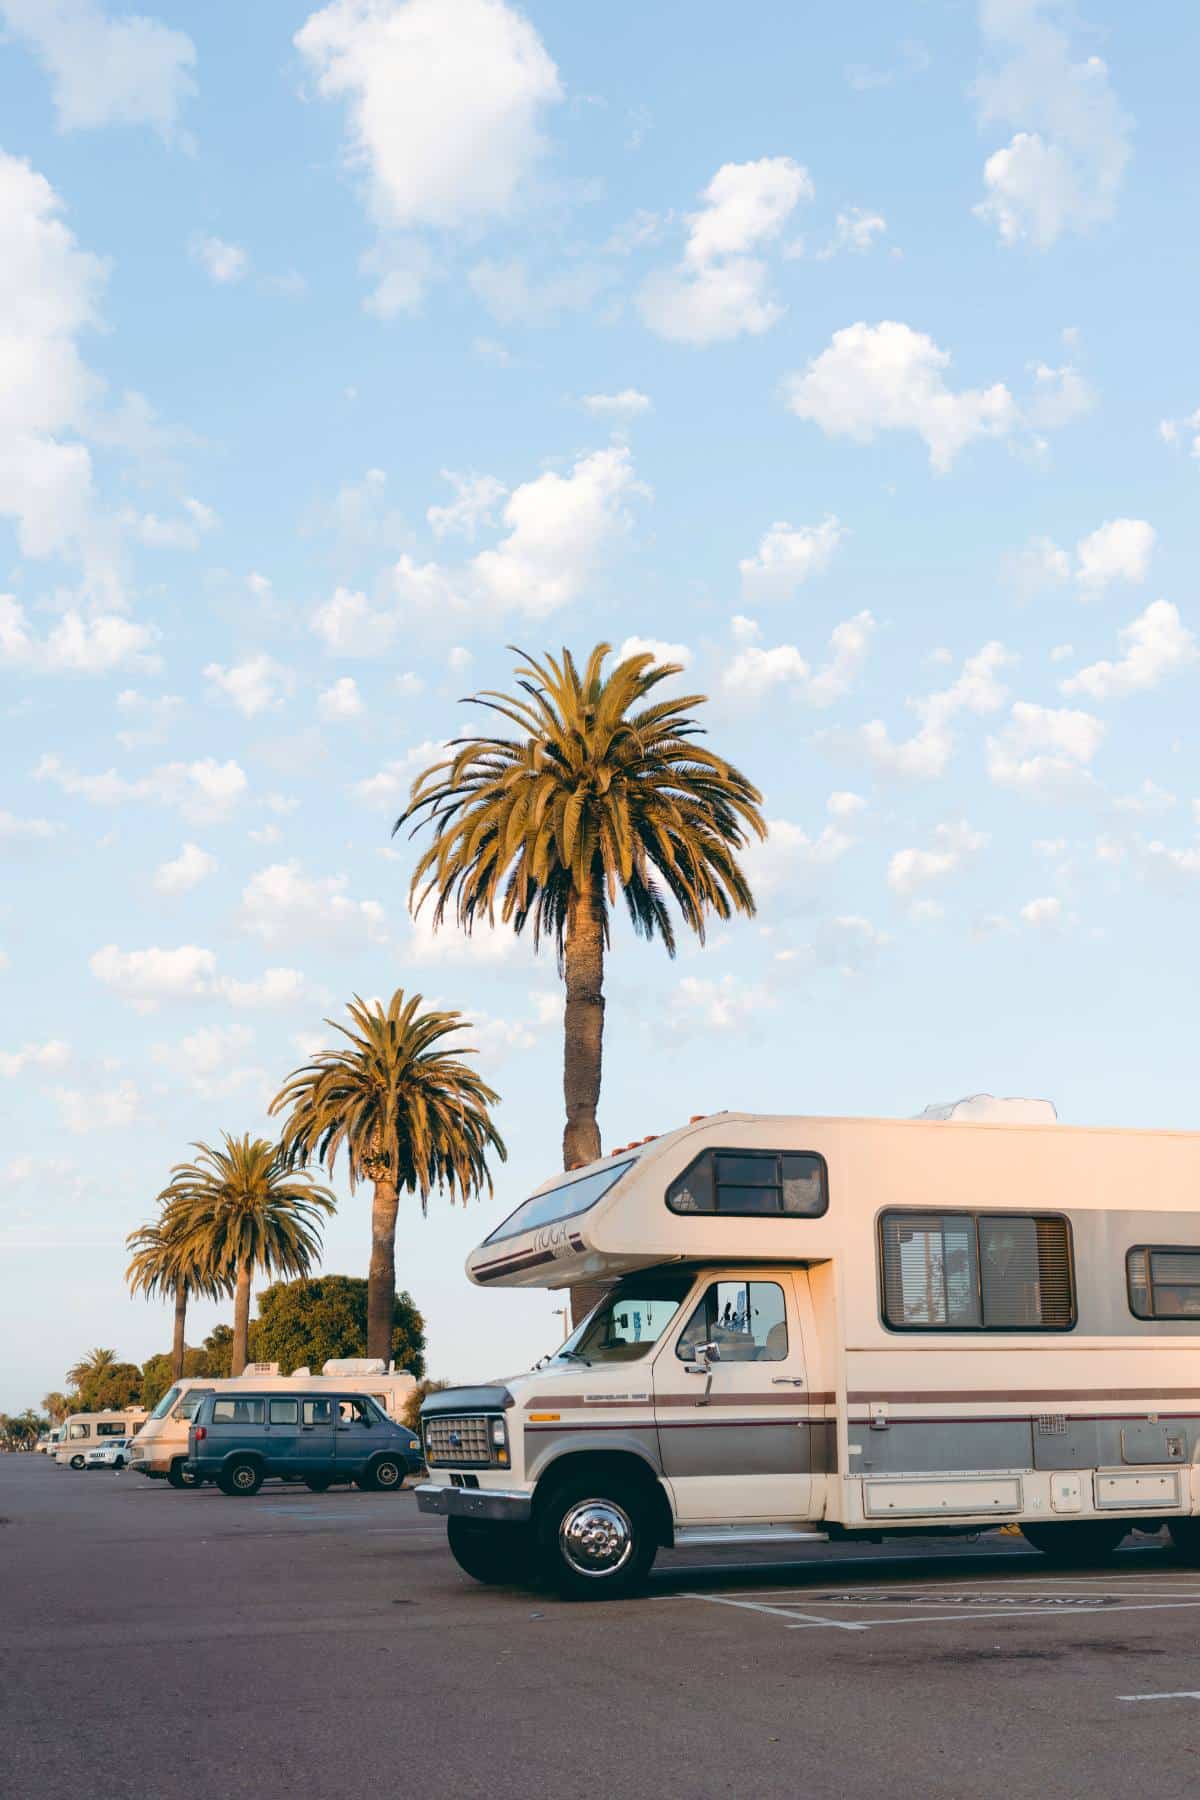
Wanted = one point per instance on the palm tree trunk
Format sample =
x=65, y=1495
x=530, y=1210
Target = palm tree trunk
x=179, y=1345
x=241, y=1322
x=381, y=1277
x=583, y=1052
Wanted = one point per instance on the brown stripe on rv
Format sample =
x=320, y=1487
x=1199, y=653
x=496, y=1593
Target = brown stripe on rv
x=511, y=1265
x=794, y=1399
x=1003, y=1396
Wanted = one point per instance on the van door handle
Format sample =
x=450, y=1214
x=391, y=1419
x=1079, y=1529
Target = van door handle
x=787, y=1381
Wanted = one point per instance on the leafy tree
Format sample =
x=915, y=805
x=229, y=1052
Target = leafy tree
x=301, y=1324
x=90, y=1367
x=410, y=1114
x=412, y=1406
x=158, y=1372
x=117, y=1386
x=241, y=1210
x=603, y=794
x=167, y=1261
x=218, y=1350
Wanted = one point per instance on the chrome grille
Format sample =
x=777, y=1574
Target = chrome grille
x=458, y=1441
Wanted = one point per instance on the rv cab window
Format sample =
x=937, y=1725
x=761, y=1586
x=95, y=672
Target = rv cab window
x=746, y=1321
x=562, y=1202
x=166, y=1403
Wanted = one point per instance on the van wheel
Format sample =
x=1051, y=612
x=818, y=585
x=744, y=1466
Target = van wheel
x=178, y=1476
x=385, y=1475
x=594, y=1539
x=241, y=1475
x=1076, y=1544
x=317, y=1484
x=496, y=1555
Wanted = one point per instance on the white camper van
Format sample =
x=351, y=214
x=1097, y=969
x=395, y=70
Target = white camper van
x=161, y=1446
x=85, y=1431
x=840, y=1328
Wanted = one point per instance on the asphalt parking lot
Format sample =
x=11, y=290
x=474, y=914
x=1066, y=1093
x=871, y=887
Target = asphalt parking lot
x=167, y=1644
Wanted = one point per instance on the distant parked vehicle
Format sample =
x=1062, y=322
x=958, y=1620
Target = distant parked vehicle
x=238, y=1439
x=114, y=1455
x=48, y=1443
x=85, y=1431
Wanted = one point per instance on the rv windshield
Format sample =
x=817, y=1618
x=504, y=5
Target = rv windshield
x=626, y=1324
x=166, y=1403
x=561, y=1202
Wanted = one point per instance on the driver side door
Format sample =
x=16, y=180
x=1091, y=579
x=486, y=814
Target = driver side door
x=737, y=1446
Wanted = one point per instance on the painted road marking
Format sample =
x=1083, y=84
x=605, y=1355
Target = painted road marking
x=1185, y=1695
x=778, y=1612
x=958, y=1606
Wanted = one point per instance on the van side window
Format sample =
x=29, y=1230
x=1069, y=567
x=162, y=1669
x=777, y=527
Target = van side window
x=355, y=1412
x=976, y=1272
x=283, y=1412
x=1163, y=1282
x=747, y=1183
x=110, y=1428
x=77, y=1431
x=745, y=1320
x=317, y=1412
x=232, y=1409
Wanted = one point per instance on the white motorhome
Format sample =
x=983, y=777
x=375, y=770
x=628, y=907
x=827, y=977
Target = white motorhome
x=161, y=1446
x=840, y=1328
x=85, y=1431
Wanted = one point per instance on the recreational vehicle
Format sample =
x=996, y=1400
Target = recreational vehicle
x=85, y=1431
x=839, y=1328
x=160, y=1448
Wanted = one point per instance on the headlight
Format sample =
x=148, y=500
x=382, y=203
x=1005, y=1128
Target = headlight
x=500, y=1441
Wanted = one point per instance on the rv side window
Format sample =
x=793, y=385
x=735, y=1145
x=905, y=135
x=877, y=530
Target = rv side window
x=976, y=1272
x=236, y=1411
x=746, y=1321
x=109, y=1428
x=77, y=1431
x=750, y=1183
x=1164, y=1283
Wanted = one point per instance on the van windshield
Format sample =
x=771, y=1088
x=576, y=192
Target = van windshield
x=626, y=1324
x=166, y=1403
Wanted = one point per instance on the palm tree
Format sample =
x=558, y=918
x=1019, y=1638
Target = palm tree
x=238, y=1210
x=57, y=1405
x=90, y=1367
x=603, y=792
x=410, y=1114
x=166, y=1261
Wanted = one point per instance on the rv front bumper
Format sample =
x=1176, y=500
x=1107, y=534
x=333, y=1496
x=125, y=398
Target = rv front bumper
x=474, y=1503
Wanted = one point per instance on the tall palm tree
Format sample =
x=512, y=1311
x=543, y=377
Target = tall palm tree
x=166, y=1261
x=57, y=1405
x=603, y=792
x=89, y=1367
x=239, y=1209
x=410, y=1114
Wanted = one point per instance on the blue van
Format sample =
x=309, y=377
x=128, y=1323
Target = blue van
x=237, y=1440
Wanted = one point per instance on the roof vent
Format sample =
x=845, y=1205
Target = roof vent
x=985, y=1109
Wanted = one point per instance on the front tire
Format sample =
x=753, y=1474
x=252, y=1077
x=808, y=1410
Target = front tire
x=385, y=1475
x=77, y=1462
x=178, y=1476
x=1078, y=1543
x=241, y=1477
x=496, y=1555
x=595, y=1540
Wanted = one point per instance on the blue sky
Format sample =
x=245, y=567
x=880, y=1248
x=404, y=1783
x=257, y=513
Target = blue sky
x=849, y=354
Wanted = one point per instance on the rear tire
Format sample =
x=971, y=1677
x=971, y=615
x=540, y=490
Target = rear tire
x=1076, y=1543
x=496, y=1555
x=77, y=1462
x=241, y=1477
x=178, y=1476
x=595, y=1539
x=385, y=1475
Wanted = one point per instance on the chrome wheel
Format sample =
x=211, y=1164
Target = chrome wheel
x=595, y=1537
x=243, y=1478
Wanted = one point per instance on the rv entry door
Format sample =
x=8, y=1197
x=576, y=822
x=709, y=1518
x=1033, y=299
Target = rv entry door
x=731, y=1402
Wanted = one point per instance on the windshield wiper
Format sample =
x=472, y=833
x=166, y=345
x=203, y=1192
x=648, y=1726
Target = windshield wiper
x=575, y=1356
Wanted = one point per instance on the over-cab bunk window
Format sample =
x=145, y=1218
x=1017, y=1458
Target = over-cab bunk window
x=749, y=1183
x=976, y=1272
x=1164, y=1282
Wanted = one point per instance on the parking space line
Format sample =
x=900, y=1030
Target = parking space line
x=778, y=1612
x=1186, y=1694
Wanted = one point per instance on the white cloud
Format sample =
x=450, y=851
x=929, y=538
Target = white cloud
x=787, y=556
x=75, y=645
x=754, y=670
x=444, y=103
x=186, y=533
x=954, y=845
x=701, y=1004
x=184, y=871
x=350, y=626
x=341, y=701
x=926, y=755
x=1044, y=749
x=106, y=1109
x=721, y=288
x=212, y=1059
x=16, y=830
x=888, y=377
x=1174, y=431
x=1156, y=645
x=846, y=942
x=1044, y=914
x=254, y=686
x=1118, y=550
x=789, y=870
x=361, y=515
x=273, y=989
x=854, y=230
x=282, y=904
x=221, y=261
x=150, y=719
x=1059, y=396
x=485, y=945
x=475, y=502
x=50, y=1055
x=203, y=791
x=146, y=978
x=388, y=788
x=621, y=408
x=843, y=805
x=1062, y=169
x=459, y=659
x=513, y=293
x=1149, y=798
x=661, y=651
x=1040, y=565
x=127, y=70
